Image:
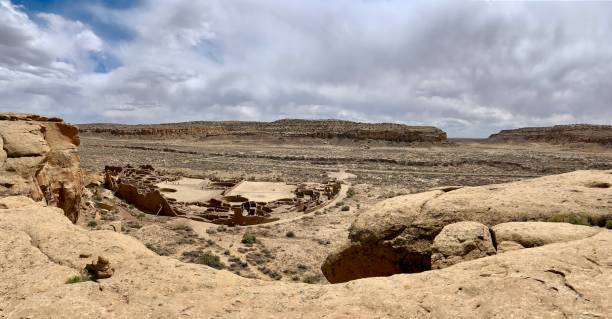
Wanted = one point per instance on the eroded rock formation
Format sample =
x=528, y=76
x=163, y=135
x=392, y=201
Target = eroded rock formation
x=283, y=128
x=580, y=133
x=39, y=158
x=396, y=235
x=461, y=242
x=39, y=250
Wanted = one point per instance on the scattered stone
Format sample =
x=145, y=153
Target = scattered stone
x=100, y=270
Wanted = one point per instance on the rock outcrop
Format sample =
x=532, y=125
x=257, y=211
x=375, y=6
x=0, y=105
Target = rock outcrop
x=461, y=242
x=40, y=250
x=326, y=129
x=39, y=158
x=558, y=134
x=396, y=235
x=535, y=234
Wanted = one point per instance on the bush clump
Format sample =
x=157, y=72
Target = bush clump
x=92, y=223
x=210, y=260
x=290, y=234
x=609, y=224
x=248, y=239
x=78, y=278
x=345, y=208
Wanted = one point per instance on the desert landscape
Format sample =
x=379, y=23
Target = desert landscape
x=252, y=217
x=305, y=159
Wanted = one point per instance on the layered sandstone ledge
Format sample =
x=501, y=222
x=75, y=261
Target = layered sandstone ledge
x=558, y=134
x=40, y=250
x=39, y=158
x=326, y=129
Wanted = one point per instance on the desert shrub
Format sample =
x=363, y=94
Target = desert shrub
x=78, y=278
x=350, y=193
x=141, y=215
x=609, y=224
x=570, y=218
x=311, y=279
x=210, y=260
x=162, y=251
x=92, y=223
x=290, y=234
x=345, y=208
x=248, y=239
x=338, y=204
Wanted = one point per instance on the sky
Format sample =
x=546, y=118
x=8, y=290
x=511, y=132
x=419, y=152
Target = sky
x=470, y=68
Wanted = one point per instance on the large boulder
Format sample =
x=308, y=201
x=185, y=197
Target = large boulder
x=39, y=159
x=40, y=250
x=534, y=234
x=461, y=242
x=398, y=232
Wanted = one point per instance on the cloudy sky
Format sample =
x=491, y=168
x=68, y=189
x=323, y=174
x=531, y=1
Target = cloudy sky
x=470, y=68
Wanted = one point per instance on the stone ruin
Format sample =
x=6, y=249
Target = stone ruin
x=138, y=186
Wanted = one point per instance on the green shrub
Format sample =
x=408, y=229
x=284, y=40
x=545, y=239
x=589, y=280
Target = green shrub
x=248, y=239
x=609, y=224
x=345, y=208
x=350, y=193
x=570, y=218
x=210, y=260
x=92, y=223
x=77, y=278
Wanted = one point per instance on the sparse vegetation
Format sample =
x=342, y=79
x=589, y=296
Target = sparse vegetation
x=609, y=224
x=92, y=223
x=210, y=259
x=78, y=278
x=311, y=279
x=345, y=208
x=290, y=234
x=249, y=239
x=350, y=193
x=571, y=218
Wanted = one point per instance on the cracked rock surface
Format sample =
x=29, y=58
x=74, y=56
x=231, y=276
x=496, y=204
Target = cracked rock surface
x=39, y=158
x=396, y=235
x=40, y=249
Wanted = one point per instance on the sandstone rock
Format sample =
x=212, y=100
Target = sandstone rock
x=15, y=202
x=507, y=246
x=398, y=232
x=100, y=269
x=533, y=234
x=581, y=133
x=39, y=159
x=460, y=242
x=39, y=250
x=326, y=129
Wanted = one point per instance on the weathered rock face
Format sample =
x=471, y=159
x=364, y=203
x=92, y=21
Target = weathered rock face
x=39, y=158
x=581, y=133
x=283, y=128
x=40, y=250
x=396, y=234
x=535, y=234
x=461, y=242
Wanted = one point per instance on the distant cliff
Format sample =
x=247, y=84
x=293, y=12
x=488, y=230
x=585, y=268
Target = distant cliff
x=561, y=134
x=281, y=128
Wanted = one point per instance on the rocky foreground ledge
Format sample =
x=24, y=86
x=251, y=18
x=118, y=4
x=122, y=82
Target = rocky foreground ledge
x=40, y=249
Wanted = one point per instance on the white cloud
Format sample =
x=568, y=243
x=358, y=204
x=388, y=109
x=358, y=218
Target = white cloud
x=472, y=68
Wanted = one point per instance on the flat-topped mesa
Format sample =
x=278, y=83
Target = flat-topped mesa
x=39, y=158
x=326, y=129
x=561, y=134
